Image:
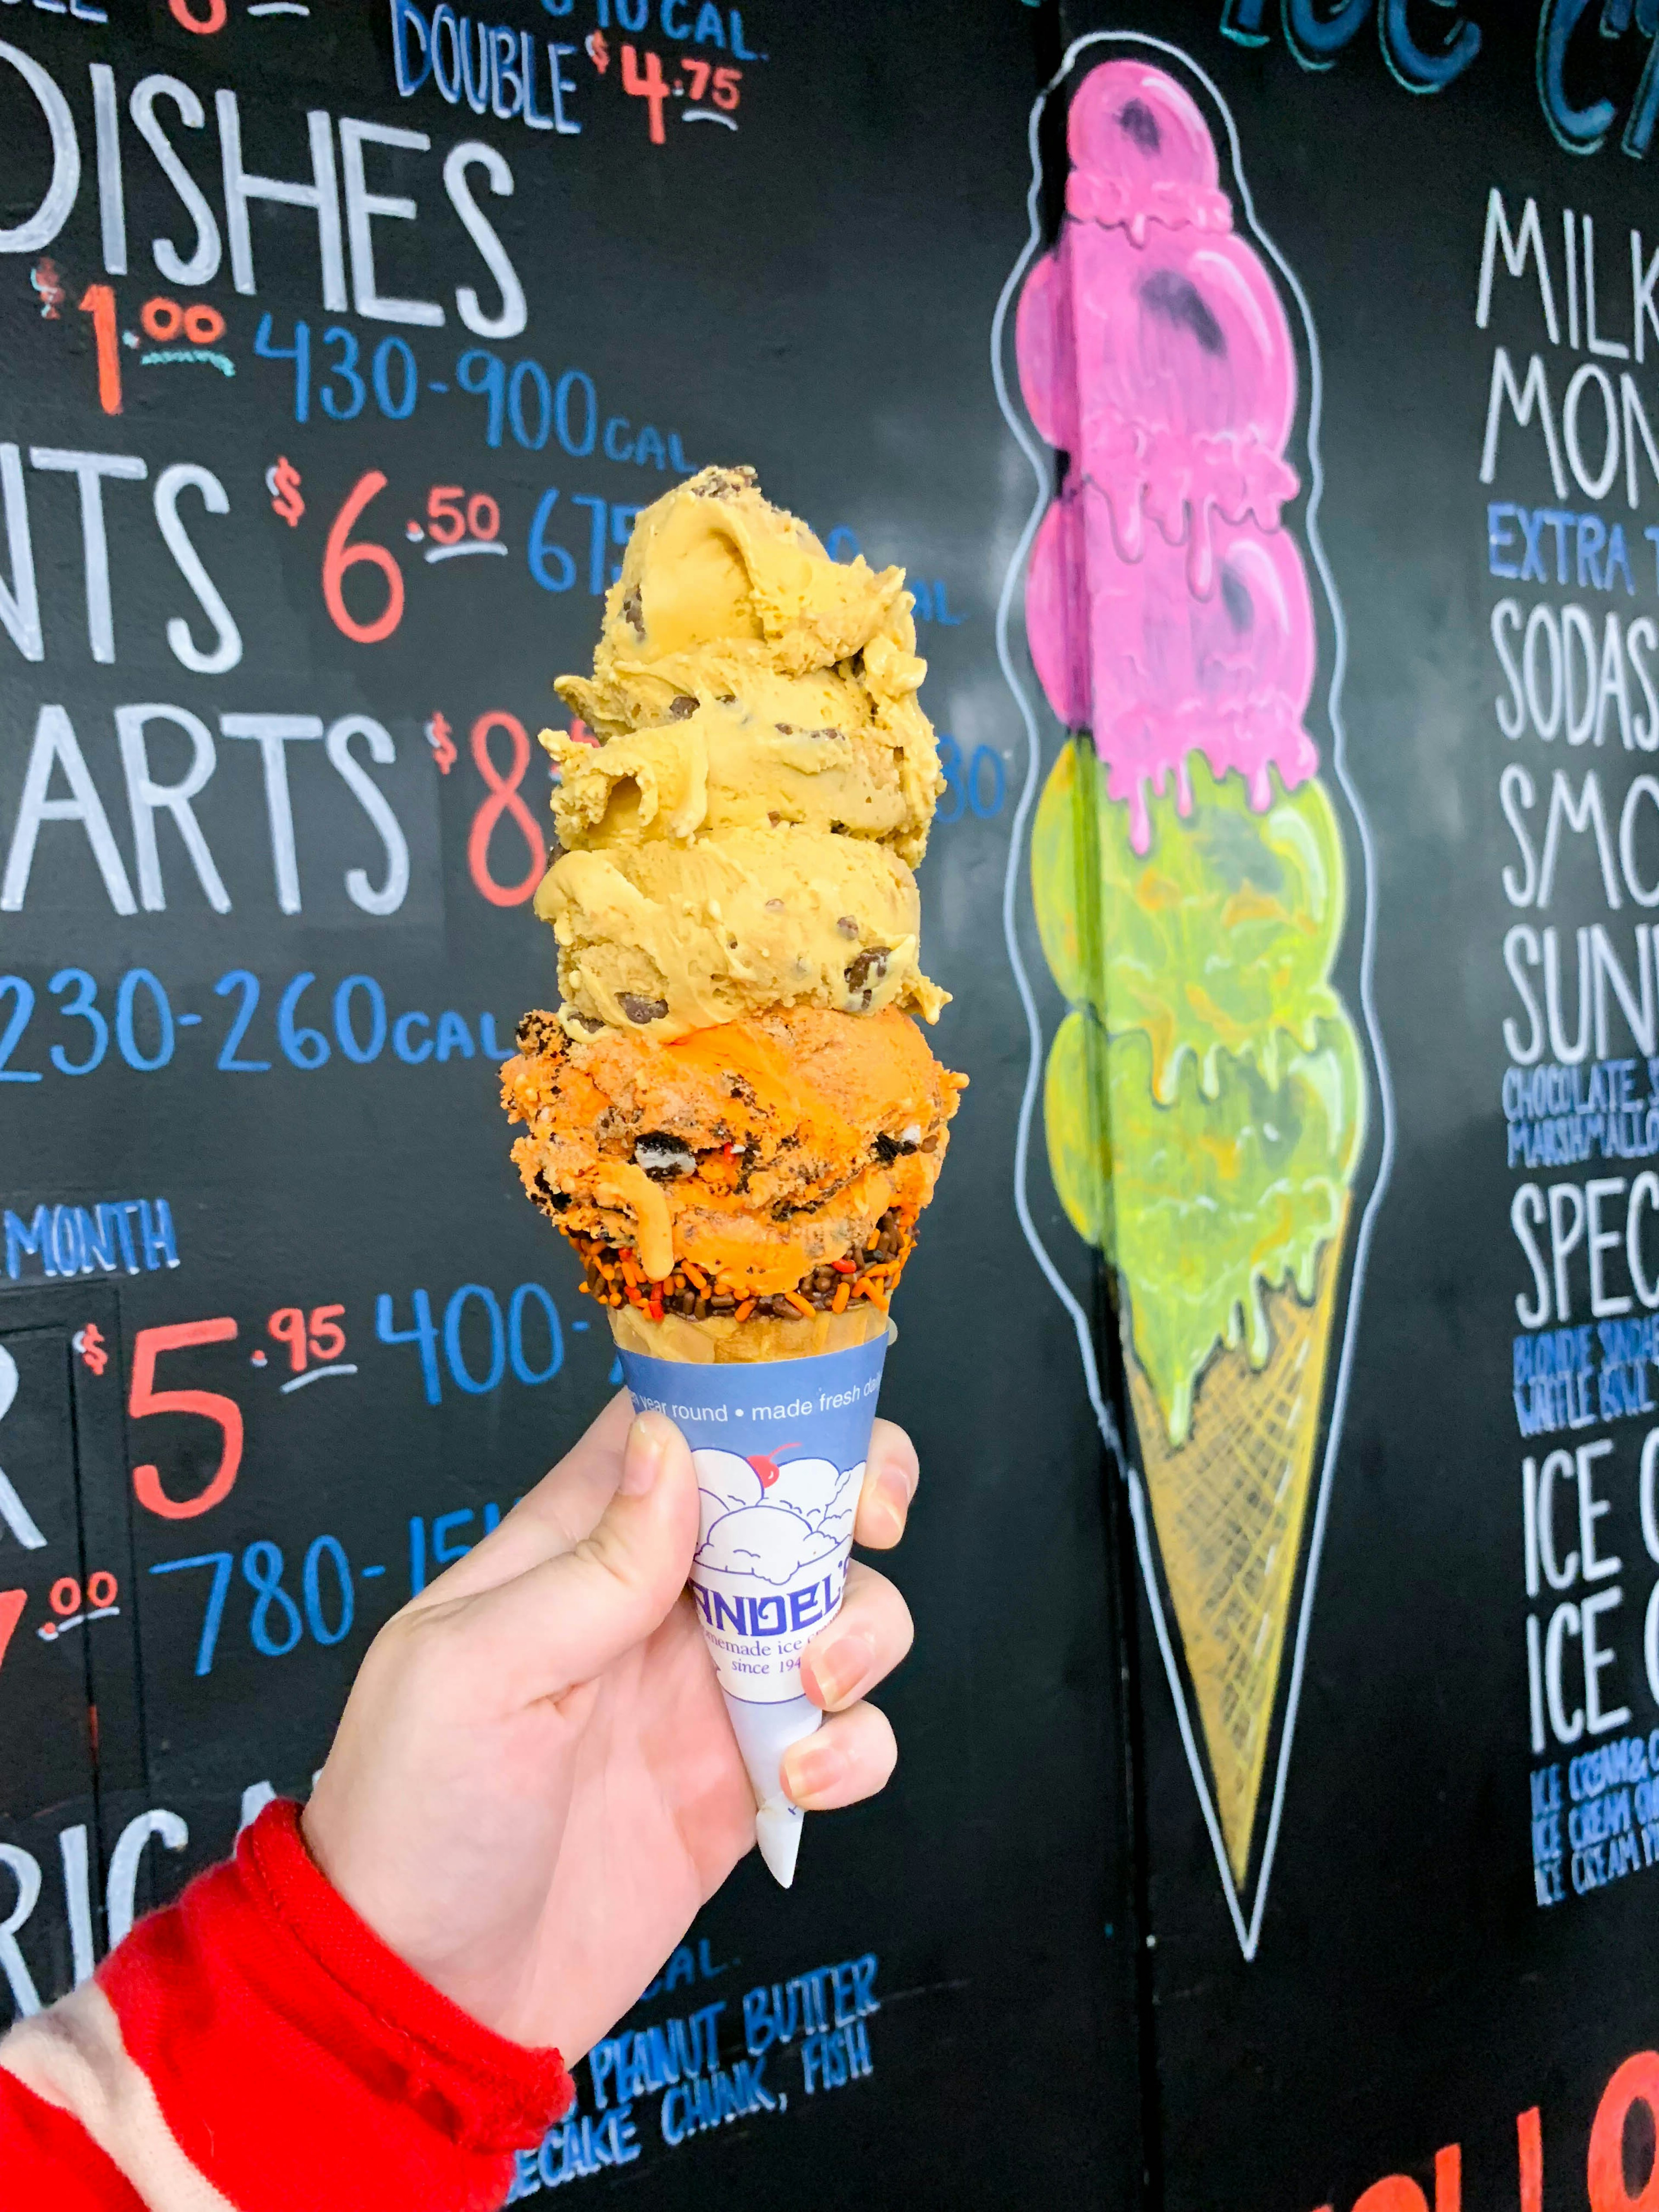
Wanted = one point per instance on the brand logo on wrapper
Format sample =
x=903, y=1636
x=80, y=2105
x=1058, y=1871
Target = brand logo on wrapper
x=780, y=1450
x=770, y=1563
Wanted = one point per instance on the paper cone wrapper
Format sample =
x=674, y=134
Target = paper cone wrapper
x=780, y=1446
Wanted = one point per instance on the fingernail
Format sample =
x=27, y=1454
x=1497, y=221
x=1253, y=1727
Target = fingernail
x=642, y=1455
x=838, y=1672
x=896, y=1494
x=811, y=1770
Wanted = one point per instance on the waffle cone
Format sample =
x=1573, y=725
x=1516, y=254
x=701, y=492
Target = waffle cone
x=722, y=1341
x=1229, y=1505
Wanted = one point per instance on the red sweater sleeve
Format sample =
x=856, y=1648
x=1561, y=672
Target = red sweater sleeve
x=256, y=2045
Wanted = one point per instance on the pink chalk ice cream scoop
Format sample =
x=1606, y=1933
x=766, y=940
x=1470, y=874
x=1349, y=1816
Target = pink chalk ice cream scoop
x=1185, y=379
x=1168, y=374
x=1156, y=353
x=1229, y=676
x=1124, y=648
x=1046, y=350
x=1141, y=154
x=1057, y=612
x=1152, y=344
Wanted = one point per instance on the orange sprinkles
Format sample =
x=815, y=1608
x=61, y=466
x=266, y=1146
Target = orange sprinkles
x=614, y=1278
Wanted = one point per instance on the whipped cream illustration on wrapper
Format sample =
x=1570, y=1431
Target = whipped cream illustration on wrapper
x=770, y=1519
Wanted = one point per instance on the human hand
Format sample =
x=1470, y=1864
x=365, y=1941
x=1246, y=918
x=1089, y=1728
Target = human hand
x=534, y=1786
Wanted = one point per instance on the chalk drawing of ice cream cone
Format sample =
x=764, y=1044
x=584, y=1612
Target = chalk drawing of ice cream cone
x=1209, y=1094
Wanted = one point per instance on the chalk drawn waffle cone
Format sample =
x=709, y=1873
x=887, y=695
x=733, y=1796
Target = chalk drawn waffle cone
x=1230, y=1506
x=779, y=1443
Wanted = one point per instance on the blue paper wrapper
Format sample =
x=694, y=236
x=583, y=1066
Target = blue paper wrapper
x=780, y=1448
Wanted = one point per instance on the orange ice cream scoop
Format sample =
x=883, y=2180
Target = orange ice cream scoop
x=758, y=1151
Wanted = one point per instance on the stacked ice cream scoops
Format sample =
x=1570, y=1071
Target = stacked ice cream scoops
x=731, y=1114
x=1206, y=1095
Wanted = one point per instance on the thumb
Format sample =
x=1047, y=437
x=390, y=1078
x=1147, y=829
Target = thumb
x=569, y=1619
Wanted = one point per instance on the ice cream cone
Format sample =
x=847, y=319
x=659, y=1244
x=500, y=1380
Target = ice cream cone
x=1206, y=1095
x=730, y=1116
x=1229, y=1506
x=779, y=1438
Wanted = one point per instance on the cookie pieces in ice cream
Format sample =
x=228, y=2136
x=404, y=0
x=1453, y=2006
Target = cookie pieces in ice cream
x=722, y=766
x=758, y=1150
x=715, y=568
x=724, y=600
x=673, y=938
x=741, y=836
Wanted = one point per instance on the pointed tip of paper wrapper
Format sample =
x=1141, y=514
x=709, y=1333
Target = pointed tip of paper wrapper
x=778, y=1830
x=765, y=1733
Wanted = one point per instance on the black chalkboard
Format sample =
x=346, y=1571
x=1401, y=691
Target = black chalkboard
x=1442, y=1998
x=340, y=345
x=307, y=498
